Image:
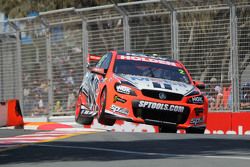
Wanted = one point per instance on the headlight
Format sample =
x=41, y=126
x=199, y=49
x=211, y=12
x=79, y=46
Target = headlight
x=124, y=89
x=194, y=92
x=196, y=100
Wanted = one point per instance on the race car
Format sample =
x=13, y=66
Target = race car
x=140, y=88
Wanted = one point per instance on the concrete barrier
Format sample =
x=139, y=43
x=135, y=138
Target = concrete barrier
x=3, y=113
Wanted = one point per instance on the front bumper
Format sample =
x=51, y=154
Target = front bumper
x=158, y=112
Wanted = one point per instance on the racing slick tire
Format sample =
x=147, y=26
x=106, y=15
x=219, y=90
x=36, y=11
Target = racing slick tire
x=84, y=120
x=101, y=113
x=195, y=130
x=79, y=118
x=167, y=129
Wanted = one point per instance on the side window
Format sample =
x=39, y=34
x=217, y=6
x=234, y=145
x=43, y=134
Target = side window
x=101, y=60
x=105, y=61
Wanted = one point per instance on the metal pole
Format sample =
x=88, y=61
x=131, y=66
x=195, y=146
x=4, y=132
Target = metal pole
x=84, y=44
x=1, y=73
x=126, y=32
x=19, y=68
x=174, y=35
x=174, y=28
x=234, y=57
x=49, y=72
x=126, y=28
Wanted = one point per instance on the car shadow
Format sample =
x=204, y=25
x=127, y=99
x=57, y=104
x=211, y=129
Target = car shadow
x=128, y=146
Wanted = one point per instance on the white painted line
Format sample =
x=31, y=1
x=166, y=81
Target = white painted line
x=146, y=153
x=79, y=130
x=55, y=133
x=27, y=138
x=45, y=135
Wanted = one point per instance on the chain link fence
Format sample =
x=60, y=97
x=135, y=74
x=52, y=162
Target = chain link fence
x=43, y=58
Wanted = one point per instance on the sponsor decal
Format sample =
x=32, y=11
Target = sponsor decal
x=118, y=109
x=117, y=98
x=146, y=59
x=198, y=99
x=160, y=106
x=123, y=89
x=84, y=111
x=240, y=130
x=94, y=57
x=196, y=121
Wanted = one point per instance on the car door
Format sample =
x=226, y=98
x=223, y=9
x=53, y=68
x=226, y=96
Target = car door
x=96, y=79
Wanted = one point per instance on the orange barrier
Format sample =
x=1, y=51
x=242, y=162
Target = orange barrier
x=11, y=114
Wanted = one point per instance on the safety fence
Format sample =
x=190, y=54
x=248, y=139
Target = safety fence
x=43, y=57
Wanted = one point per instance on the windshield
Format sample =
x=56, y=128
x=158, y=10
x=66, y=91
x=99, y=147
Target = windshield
x=150, y=69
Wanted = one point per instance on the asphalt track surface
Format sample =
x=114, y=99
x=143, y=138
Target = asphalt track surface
x=111, y=149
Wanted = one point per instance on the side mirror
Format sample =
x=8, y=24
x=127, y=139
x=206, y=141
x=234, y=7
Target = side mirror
x=98, y=71
x=199, y=85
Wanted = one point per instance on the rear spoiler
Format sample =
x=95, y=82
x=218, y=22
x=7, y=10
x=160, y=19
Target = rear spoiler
x=92, y=58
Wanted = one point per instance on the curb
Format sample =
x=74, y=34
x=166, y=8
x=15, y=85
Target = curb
x=49, y=126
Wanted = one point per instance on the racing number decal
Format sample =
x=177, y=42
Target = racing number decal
x=181, y=71
x=163, y=86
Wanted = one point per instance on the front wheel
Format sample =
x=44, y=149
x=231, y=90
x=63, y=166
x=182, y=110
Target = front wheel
x=101, y=113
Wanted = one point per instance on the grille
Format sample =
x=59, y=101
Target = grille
x=165, y=116
x=155, y=94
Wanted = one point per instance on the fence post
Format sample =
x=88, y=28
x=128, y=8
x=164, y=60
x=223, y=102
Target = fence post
x=19, y=63
x=84, y=44
x=126, y=31
x=234, y=57
x=174, y=35
x=1, y=72
x=49, y=71
x=19, y=68
x=174, y=28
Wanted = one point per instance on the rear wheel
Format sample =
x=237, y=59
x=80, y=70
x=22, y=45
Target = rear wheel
x=167, y=129
x=101, y=113
x=79, y=116
x=195, y=130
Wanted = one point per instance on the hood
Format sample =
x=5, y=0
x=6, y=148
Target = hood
x=159, y=84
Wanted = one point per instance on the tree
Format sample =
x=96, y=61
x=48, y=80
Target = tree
x=21, y=8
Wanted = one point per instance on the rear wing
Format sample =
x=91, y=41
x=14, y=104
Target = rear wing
x=93, y=59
